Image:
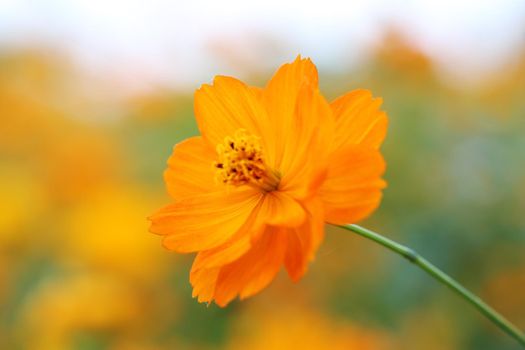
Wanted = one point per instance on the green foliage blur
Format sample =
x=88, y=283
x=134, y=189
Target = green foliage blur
x=80, y=171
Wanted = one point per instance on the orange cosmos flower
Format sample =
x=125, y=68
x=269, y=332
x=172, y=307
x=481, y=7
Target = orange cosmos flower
x=272, y=166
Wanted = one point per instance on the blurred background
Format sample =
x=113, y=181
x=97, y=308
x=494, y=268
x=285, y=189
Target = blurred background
x=93, y=95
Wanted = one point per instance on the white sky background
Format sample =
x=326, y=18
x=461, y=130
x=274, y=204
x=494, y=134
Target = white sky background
x=161, y=42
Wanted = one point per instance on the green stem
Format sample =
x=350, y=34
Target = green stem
x=442, y=277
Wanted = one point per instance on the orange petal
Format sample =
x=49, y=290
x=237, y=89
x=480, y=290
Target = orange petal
x=204, y=282
x=190, y=169
x=304, y=241
x=236, y=246
x=359, y=119
x=275, y=209
x=309, y=143
x=227, y=106
x=205, y=221
x=258, y=92
x=352, y=189
x=245, y=276
x=254, y=271
x=280, y=97
x=282, y=210
x=225, y=253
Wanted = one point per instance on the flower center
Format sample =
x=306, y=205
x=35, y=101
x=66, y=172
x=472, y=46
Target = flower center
x=241, y=162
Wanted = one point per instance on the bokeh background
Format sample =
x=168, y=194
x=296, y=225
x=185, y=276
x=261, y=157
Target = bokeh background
x=93, y=95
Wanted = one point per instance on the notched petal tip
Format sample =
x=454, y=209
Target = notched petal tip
x=245, y=276
x=219, y=81
x=302, y=59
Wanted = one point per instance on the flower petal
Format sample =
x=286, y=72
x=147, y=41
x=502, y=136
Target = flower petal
x=352, y=189
x=227, y=106
x=204, y=282
x=304, y=241
x=236, y=246
x=245, y=276
x=309, y=144
x=205, y=221
x=282, y=210
x=190, y=169
x=275, y=209
x=359, y=119
x=280, y=96
x=254, y=271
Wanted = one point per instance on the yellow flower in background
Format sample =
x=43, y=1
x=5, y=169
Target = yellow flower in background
x=272, y=165
x=84, y=302
x=24, y=201
x=299, y=326
x=106, y=232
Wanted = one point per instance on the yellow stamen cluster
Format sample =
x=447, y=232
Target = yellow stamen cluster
x=240, y=162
